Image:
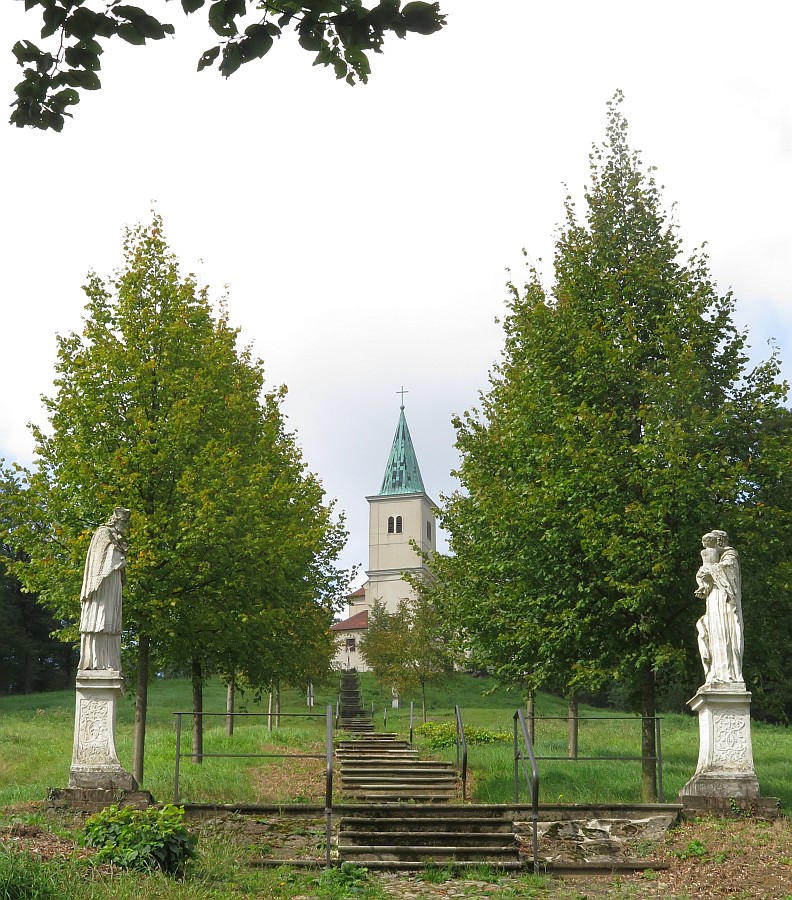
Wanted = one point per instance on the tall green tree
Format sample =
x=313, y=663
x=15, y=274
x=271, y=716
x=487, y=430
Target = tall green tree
x=613, y=434
x=156, y=409
x=408, y=648
x=341, y=34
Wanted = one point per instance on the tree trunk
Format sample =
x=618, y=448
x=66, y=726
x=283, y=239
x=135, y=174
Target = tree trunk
x=530, y=708
x=269, y=710
x=648, y=746
x=230, y=704
x=141, y=706
x=197, y=696
x=572, y=728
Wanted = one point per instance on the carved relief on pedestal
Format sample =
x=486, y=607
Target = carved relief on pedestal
x=94, y=736
x=731, y=737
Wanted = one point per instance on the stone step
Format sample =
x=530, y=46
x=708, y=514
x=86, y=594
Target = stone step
x=402, y=784
x=396, y=760
x=413, y=824
x=384, y=750
x=497, y=839
x=420, y=853
x=410, y=795
x=372, y=744
x=421, y=767
x=398, y=778
x=468, y=812
x=400, y=865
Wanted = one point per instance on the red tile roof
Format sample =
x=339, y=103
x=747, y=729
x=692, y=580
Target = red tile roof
x=360, y=592
x=354, y=623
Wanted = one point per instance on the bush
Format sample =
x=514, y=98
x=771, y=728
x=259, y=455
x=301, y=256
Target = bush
x=142, y=838
x=440, y=735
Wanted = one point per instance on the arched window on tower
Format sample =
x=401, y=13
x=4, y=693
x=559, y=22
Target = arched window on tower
x=428, y=531
x=390, y=524
x=398, y=524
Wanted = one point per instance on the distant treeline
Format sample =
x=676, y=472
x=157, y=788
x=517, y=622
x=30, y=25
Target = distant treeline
x=30, y=659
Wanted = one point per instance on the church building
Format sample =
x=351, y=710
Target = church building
x=399, y=515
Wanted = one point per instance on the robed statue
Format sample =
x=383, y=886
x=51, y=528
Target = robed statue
x=720, y=629
x=100, y=598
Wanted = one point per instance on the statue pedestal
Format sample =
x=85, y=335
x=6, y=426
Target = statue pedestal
x=94, y=759
x=725, y=764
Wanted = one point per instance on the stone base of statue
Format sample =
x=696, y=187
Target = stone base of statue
x=725, y=764
x=94, y=759
x=91, y=800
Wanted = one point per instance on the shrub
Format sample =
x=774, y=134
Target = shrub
x=142, y=838
x=443, y=734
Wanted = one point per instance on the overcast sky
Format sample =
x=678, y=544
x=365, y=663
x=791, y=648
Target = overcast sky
x=364, y=233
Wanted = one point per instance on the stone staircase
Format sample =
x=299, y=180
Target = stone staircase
x=380, y=768
x=352, y=716
x=412, y=836
x=409, y=822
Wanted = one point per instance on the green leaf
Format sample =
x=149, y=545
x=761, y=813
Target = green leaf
x=422, y=18
x=231, y=59
x=257, y=42
x=84, y=78
x=130, y=34
x=221, y=20
x=143, y=23
x=54, y=17
x=208, y=57
x=26, y=52
x=79, y=56
x=82, y=23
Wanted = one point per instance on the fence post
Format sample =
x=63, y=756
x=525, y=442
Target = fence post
x=178, y=758
x=659, y=756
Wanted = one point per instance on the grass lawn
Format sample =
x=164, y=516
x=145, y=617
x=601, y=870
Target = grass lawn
x=35, y=752
x=36, y=733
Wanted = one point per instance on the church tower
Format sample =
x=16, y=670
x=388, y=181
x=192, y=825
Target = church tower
x=400, y=515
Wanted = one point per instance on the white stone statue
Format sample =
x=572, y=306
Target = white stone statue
x=103, y=581
x=720, y=629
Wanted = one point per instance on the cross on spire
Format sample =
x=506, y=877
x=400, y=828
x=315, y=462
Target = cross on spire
x=402, y=392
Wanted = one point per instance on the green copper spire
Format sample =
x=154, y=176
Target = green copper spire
x=402, y=475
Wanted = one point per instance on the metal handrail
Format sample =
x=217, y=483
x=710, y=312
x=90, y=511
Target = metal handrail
x=461, y=749
x=411, y=723
x=532, y=778
x=327, y=756
x=329, y=785
x=338, y=712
